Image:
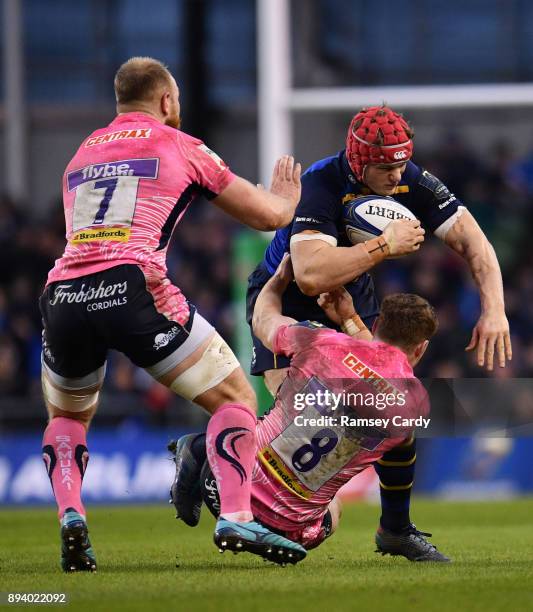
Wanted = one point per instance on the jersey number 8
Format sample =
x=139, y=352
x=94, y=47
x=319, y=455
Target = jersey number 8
x=308, y=456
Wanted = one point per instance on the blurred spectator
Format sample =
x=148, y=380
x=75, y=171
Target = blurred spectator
x=521, y=174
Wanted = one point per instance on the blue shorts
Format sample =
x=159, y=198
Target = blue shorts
x=301, y=307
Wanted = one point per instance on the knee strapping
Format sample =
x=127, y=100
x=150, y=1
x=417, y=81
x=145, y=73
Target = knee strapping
x=215, y=365
x=65, y=400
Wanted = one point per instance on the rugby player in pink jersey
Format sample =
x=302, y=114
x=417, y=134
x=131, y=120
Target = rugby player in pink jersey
x=124, y=192
x=310, y=444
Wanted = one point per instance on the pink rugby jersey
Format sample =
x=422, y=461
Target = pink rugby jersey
x=124, y=191
x=309, y=444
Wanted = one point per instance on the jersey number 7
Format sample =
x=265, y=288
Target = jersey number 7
x=106, y=193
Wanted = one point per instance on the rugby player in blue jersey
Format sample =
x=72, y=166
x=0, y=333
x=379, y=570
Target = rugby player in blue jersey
x=377, y=160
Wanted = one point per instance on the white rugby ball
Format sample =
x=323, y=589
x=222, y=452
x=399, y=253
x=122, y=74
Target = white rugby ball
x=367, y=216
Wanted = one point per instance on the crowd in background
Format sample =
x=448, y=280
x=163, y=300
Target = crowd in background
x=499, y=194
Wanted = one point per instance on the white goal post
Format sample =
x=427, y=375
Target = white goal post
x=277, y=100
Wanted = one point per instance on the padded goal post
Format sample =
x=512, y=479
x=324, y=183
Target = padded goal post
x=247, y=251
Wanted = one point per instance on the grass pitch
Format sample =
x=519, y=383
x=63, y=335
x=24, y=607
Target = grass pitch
x=149, y=561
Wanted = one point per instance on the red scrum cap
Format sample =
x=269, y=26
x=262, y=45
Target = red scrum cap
x=377, y=135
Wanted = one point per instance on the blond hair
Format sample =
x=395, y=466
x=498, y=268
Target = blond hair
x=139, y=79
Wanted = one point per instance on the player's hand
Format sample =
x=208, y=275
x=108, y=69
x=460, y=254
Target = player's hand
x=286, y=180
x=491, y=335
x=285, y=273
x=337, y=304
x=403, y=236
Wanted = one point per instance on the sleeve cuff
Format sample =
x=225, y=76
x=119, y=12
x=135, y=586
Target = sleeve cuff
x=315, y=236
x=443, y=228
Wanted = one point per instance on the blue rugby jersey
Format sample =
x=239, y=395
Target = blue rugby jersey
x=326, y=185
x=329, y=182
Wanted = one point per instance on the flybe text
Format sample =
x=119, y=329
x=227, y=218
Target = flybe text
x=143, y=168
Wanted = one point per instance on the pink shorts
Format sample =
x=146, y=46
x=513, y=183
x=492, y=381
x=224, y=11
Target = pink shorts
x=313, y=534
x=309, y=534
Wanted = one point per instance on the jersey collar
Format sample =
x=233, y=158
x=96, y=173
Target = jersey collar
x=397, y=355
x=362, y=188
x=134, y=117
x=346, y=168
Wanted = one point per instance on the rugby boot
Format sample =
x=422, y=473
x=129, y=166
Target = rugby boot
x=256, y=539
x=76, y=552
x=409, y=543
x=185, y=492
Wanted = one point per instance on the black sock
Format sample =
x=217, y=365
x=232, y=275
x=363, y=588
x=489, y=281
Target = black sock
x=396, y=471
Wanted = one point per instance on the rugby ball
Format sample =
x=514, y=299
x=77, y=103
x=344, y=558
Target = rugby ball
x=367, y=216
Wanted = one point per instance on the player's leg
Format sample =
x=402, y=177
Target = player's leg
x=70, y=409
x=268, y=542
x=189, y=455
x=396, y=534
x=212, y=378
x=165, y=335
x=73, y=370
x=314, y=534
x=230, y=445
x=396, y=470
x=70, y=406
x=161, y=332
x=309, y=535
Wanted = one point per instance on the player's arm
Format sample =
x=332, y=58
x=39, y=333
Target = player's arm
x=491, y=332
x=320, y=265
x=260, y=208
x=339, y=307
x=267, y=318
x=450, y=221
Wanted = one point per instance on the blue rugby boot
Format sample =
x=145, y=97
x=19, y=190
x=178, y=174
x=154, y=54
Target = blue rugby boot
x=76, y=552
x=185, y=492
x=256, y=539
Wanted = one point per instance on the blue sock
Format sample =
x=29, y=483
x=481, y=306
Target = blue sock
x=396, y=471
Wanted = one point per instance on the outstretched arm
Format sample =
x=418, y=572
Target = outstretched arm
x=491, y=332
x=267, y=318
x=262, y=209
